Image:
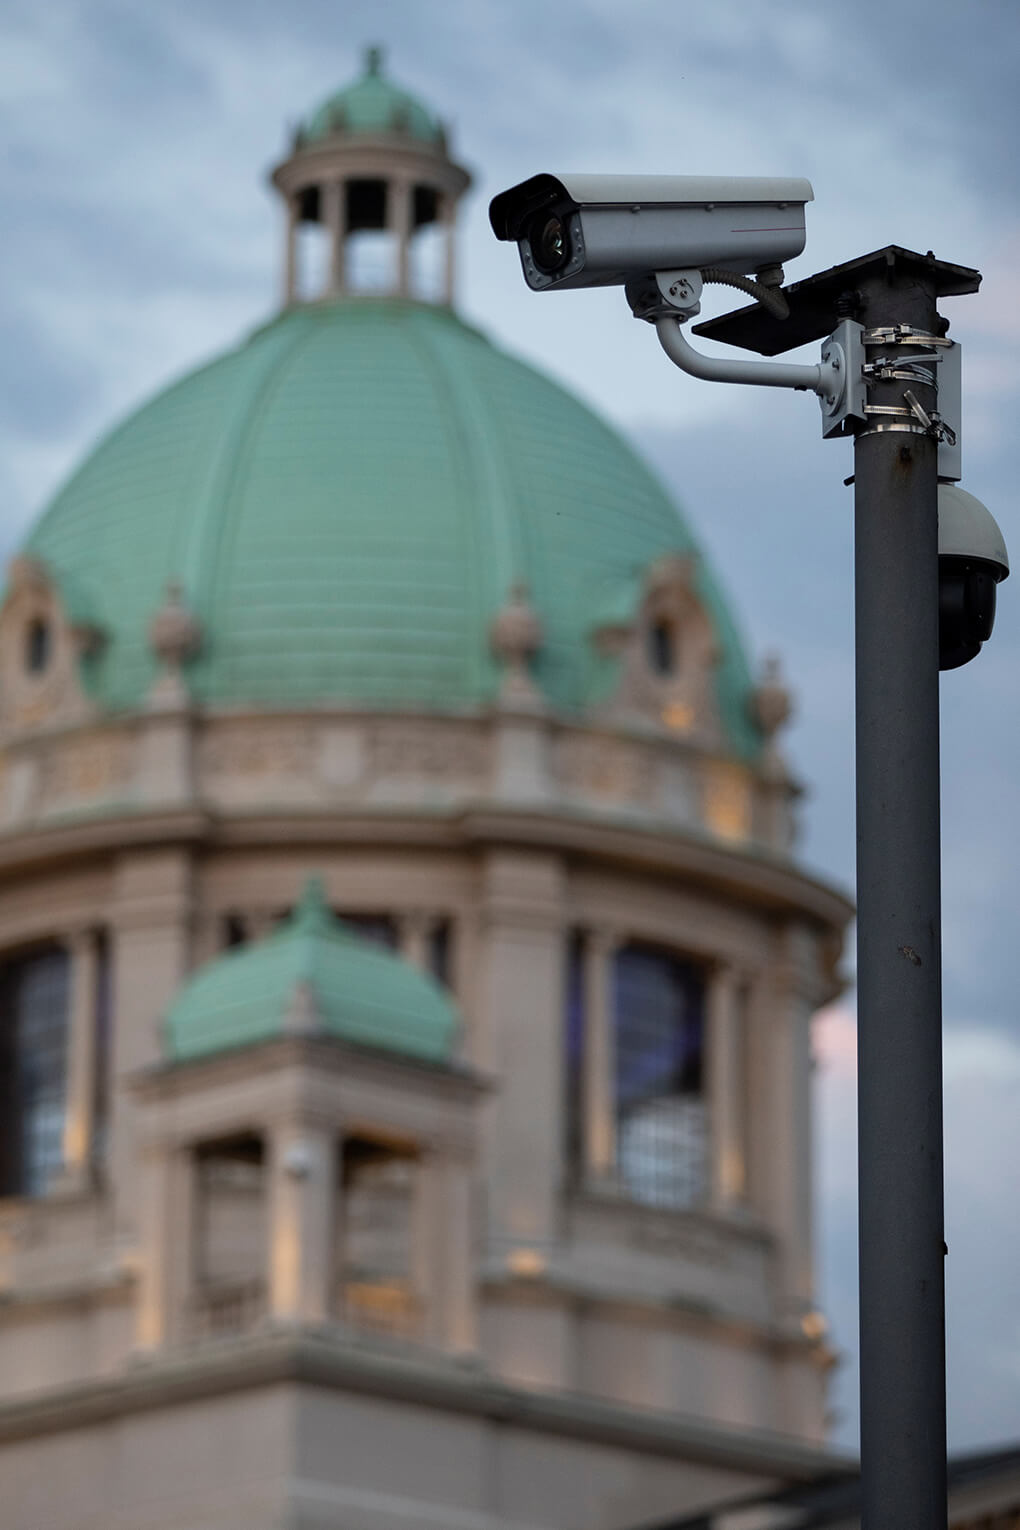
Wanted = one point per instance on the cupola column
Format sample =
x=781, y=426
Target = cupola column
x=449, y=223
x=400, y=194
x=290, y=253
x=725, y=1090
x=334, y=216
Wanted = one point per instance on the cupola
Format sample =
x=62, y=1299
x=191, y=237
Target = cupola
x=371, y=195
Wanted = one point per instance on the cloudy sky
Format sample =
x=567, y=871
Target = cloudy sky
x=140, y=237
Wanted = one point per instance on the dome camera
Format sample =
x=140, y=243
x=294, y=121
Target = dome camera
x=972, y=562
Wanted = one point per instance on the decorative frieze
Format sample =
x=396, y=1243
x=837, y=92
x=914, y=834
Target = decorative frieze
x=601, y=766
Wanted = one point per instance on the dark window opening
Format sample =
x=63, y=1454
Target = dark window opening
x=375, y=1257
x=231, y=1234
x=235, y=931
x=38, y=645
x=662, y=655
x=439, y=952
x=309, y=205
x=34, y=1004
x=661, y=1127
x=377, y=929
x=366, y=205
x=426, y=206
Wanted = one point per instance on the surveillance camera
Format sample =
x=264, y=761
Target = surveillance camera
x=972, y=562
x=606, y=230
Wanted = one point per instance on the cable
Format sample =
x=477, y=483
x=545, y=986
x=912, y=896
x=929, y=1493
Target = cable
x=771, y=298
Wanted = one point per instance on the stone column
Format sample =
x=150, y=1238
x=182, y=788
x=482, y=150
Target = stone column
x=598, y=1090
x=415, y=932
x=521, y=996
x=334, y=218
x=794, y=999
x=302, y=1179
x=442, y=1246
x=290, y=254
x=166, y=1244
x=402, y=193
x=725, y=1090
x=81, y=1061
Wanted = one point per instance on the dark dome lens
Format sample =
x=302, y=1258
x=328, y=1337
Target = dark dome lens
x=550, y=244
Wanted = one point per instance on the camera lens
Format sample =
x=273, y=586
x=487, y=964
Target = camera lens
x=550, y=242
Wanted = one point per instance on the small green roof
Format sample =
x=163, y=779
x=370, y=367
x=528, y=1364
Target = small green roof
x=373, y=104
x=314, y=976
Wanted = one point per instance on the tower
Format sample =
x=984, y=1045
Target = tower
x=408, y=975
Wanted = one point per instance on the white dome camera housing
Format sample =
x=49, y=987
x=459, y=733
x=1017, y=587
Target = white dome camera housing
x=972, y=563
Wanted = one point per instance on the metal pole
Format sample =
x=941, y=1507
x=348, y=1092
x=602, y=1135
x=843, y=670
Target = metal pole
x=902, y=1282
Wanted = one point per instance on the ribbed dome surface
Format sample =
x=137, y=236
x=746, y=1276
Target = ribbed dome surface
x=346, y=501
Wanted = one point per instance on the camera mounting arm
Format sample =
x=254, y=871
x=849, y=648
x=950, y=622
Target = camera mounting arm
x=675, y=297
x=826, y=377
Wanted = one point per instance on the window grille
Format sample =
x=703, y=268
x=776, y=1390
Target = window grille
x=661, y=1124
x=34, y=1003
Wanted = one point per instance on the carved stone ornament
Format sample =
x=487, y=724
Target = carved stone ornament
x=771, y=708
x=668, y=654
x=40, y=647
x=175, y=637
x=516, y=636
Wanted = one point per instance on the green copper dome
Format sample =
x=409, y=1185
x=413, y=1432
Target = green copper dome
x=346, y=501
x=373, y=104
x=313, y=977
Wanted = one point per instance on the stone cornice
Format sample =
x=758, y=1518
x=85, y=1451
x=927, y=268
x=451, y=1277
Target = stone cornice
x=274, y=1359
x=321, y=1054
x=750, y=877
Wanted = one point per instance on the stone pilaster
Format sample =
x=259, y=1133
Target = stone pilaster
x=522, y=998
x=166, y=1254
x=151, y=916
x=82, y=947
x=302, y=1195
x=725, y=1089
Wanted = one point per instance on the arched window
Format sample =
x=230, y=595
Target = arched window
x=658, y=1032
x=34, y=997
x=38, y=644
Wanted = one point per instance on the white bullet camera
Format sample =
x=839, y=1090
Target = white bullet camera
x=605, y=230
x=972, y=562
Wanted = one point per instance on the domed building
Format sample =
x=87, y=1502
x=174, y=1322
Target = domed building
x=404, y=1062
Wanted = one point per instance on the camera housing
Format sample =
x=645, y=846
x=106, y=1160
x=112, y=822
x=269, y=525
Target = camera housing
x=972, y=563
x=605, y=230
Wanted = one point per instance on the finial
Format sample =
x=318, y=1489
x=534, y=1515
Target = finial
x=516, y=636
x=373, y=60
x=771, y=707
x=312, y=913
x=175, y=637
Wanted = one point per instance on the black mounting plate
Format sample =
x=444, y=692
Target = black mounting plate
x=818, y=303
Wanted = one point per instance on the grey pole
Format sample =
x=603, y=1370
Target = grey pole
x=902, y=1282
